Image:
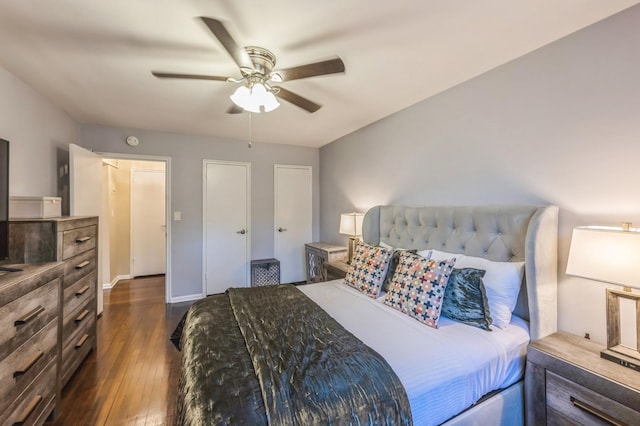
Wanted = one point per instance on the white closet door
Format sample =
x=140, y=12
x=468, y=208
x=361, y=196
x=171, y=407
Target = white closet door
x=293, y=219
x=148, y=228
x=226, y=225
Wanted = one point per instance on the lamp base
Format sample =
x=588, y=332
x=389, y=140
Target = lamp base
x=620, y=355
x=352, y=248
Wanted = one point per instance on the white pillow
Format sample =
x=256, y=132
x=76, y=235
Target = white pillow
x=385, y=245
x=502, y=281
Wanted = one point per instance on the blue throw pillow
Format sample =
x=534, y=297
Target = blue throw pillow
x=465, y=298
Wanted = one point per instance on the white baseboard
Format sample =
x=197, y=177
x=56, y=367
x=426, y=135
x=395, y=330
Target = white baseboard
x=113, y=283
x=187, y=298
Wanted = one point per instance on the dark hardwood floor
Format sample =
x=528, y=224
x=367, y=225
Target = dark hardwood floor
x=132, y=378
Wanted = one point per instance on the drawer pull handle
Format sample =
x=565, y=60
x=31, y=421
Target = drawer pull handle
x=595, y=412
x=31, y=315
x=28, y=365
x=22, y=419
x=82, y=315
x=81, y=341
x=81, y=240
x=82, y=291
x=83, y=264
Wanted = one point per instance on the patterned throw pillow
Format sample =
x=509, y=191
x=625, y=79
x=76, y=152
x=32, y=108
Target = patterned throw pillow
x=392, y=267
x=465, y=298
x=418, y=287
x=368, y=268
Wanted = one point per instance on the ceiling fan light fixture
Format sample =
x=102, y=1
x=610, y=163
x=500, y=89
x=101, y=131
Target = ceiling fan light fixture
x=257, y=67
x=264, y=97
x=270, y=103
x=255, y=99
x=275, y=77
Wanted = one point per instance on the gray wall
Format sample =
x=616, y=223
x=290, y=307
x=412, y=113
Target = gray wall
x=560, y=125
x=37, y=131
x=187, y=154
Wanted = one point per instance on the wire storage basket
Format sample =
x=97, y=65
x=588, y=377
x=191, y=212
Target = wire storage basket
x=265, y=272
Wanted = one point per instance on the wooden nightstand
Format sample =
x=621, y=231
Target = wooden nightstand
x=567, y=382
x=317, y=254
x=336, y=270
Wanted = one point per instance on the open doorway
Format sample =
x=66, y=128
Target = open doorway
x=93, y=183
x=135, y=208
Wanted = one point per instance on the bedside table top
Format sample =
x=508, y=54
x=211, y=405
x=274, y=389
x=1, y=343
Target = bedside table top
x=578, y=359
x=329, y=248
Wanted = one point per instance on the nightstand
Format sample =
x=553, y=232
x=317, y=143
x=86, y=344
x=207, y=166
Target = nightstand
x=336, y=270
x=317, y=254
x=567, y=382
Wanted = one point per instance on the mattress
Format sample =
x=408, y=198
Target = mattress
x=444, y=370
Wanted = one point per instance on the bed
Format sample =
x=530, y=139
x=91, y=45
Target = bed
x=326, y=353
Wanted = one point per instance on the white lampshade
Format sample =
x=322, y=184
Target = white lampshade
x=606, y=254
x=270, y=102
x=255, y=99
x=351, y=224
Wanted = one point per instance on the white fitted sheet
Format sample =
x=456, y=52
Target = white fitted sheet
x=444, y=370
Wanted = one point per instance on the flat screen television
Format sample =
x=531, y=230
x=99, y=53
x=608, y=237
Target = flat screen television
x=4, y=200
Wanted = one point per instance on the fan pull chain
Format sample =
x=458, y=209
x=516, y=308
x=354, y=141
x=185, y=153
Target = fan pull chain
x=250, y=131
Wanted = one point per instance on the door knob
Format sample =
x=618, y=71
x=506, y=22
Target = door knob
x=281, y=229
x=242, y=231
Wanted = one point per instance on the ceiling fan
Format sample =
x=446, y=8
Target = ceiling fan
x=258, y=92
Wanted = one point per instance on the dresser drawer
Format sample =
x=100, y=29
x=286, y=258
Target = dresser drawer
x=569, y=403
x=23, y=365
x=76, y=320
x=79, y=266
x=76, y=241
x=79, y=292
x=33, y=406
x=76, y=348
x=25, y=316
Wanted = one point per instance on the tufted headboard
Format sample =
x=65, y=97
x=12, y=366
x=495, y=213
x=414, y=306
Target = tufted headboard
x=500, y=233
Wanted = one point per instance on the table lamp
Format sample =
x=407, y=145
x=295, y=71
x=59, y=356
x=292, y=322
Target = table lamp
x=611, y=255
x=351, y=225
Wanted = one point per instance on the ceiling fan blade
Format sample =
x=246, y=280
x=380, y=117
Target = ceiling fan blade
x=297, y=100
x=188, y=76
x=234, y=109
x=239, y=55
x=330, y=66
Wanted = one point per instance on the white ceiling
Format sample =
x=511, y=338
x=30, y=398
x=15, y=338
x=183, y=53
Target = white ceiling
x=93, y=57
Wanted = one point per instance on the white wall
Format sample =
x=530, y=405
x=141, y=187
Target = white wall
x=37, y=130
x=187, y=154
x=560, y=125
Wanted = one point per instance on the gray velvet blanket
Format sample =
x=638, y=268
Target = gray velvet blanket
x=270, y=355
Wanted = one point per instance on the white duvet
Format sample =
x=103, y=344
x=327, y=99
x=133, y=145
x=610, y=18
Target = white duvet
x=443, y=370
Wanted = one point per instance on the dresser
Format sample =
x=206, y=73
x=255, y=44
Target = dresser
x=29, y=343
x=74, y=241
x=317, y=254
x=567, y=383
